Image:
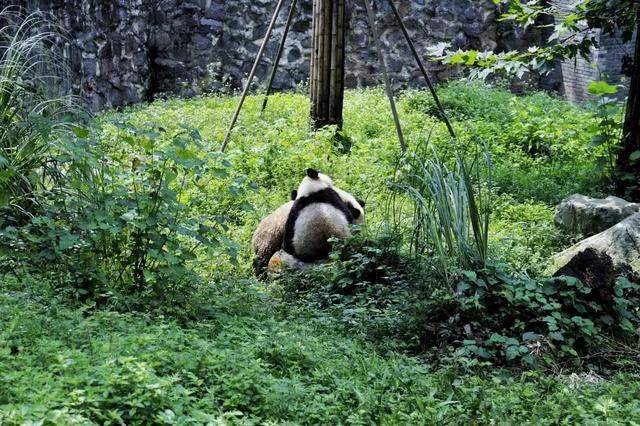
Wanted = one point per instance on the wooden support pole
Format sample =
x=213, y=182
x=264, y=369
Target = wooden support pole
x=252, y=74
x=412, y=47
x=385, y=74
x=276, y=62
x=327, y=63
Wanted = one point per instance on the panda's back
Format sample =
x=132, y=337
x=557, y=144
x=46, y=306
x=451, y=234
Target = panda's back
x=315, y=224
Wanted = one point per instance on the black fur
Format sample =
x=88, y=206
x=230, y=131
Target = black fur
x=294, y=195
x=354, y=211
x=328, y=196
x=313, y=174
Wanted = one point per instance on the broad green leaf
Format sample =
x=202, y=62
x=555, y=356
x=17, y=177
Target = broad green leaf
x=601, y=88
x=67, y=241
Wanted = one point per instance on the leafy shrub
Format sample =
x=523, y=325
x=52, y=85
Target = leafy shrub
x=524, y=235
x=492, y=315
x=607, y=130
x=540, y=145
x=499, y=316
x=33, y=115
x=448, y=220
x=367, y=286
x=131, y=225
x=464, y=101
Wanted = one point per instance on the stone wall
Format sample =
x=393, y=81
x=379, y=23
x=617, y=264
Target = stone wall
x=604, y=63
x=126, y=51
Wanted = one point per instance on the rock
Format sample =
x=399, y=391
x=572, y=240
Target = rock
x=588, y=216
x=620, y=242
x=598, y=272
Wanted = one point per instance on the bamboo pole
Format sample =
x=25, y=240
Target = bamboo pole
x=326, y=57
x=385, y=74
x=315, y=47
x=252, y=74
x=276, y=62
x=327, y=63
x=336, y=84
x=432, y=89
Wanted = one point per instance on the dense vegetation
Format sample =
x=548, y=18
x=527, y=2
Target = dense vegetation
x=162, y=226
x=126, y=288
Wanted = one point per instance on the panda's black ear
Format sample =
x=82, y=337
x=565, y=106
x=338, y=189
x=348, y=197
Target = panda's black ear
x=313, y=174
x=361, y=202
x=294, y=194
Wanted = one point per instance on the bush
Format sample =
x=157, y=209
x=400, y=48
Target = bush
x=33, y=115
x=507, y=318
x=524, y=235
x=449, y=214
x=492, y=315
x=540, y=145
x=129, y=224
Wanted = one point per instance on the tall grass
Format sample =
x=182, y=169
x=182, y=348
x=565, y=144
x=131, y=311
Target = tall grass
x=449, y=214
x=33, y=112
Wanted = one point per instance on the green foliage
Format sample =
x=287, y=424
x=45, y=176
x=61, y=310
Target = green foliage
x=492, y=315
x=522, y=320
x=32, y=114
x=524, y=235
x=244, y=364
x=449, y=221
x=608, y=128
x=129, y=224
x=571, y=36
x=163, y=326
x=539, y=146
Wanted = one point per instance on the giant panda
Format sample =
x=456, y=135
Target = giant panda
x=269, y=236
x=320, y=211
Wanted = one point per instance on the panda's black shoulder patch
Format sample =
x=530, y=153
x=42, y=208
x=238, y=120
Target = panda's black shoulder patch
x=326, y=196
x=354, y=211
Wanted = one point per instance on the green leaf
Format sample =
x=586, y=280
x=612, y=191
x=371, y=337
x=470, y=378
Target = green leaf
x=67, y=241
x=80, y=132
x=472, y=57
x=4, y=198
x=635, y=156
x=512, y=352
x=556, y=335
x=601, y=88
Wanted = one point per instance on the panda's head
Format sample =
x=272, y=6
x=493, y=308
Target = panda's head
x=316, y=182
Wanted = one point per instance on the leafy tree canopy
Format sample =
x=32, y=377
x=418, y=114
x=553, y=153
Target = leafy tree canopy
x=568, y=29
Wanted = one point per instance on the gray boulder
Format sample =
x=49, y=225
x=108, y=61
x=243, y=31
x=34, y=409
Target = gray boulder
x=588, y=216
x=621, y=242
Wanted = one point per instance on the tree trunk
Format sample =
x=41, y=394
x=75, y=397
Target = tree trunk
x=327, y=63
x=628, y=167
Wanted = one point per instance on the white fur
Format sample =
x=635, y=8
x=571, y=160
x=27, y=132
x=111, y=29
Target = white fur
x=318, y=222
x=348, y=198
x=309, y=186
x=315, y=225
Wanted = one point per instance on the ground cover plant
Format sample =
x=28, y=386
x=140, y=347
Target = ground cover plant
x=127, y=295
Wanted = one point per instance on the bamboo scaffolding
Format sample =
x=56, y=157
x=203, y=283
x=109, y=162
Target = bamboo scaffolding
x=276, y=63
x=385, y=74
x=423, y=70
x=252, y=74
